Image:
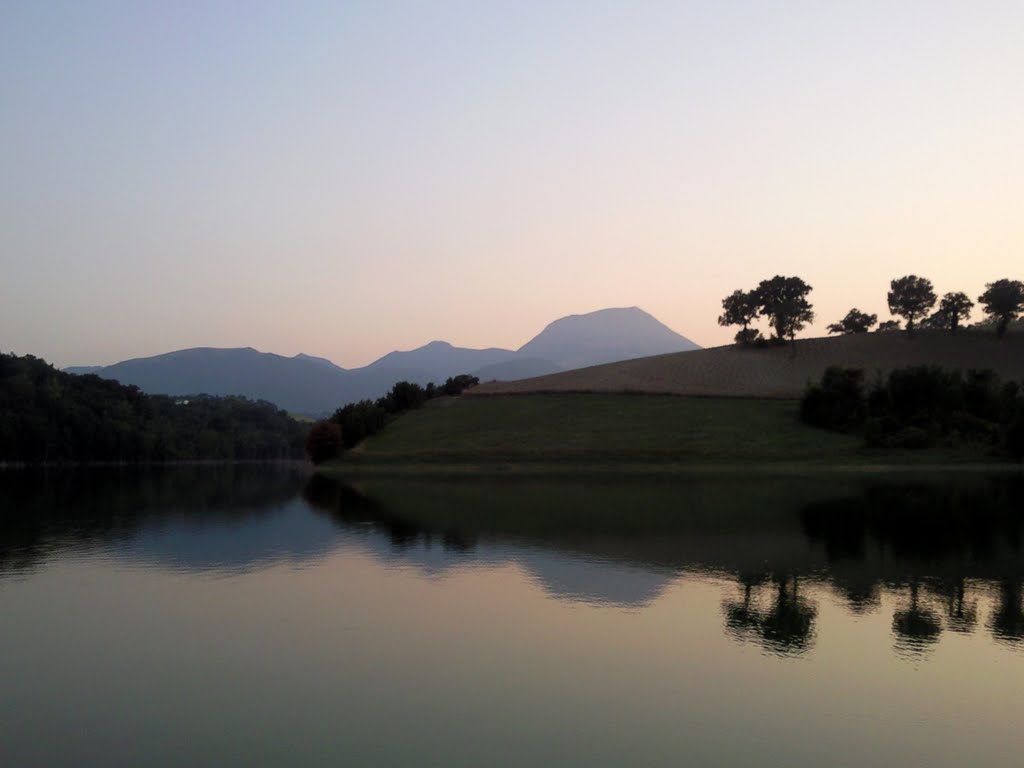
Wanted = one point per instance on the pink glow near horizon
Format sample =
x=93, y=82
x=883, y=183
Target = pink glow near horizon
x=344, y=182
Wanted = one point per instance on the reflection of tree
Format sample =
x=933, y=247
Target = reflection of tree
x=861, y=593
x=743, y=618
x=1007, y=622
x=916, y=627
x=789, y=625
x=350, y=509
x=786, y=628
x=961, y=614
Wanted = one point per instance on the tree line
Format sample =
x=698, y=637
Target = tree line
x=353, y=423
x=49, y=416
x=783, y=302
x=921, y=407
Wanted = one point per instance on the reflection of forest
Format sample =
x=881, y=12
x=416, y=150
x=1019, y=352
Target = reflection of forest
x=948, y=549
x=47, y=511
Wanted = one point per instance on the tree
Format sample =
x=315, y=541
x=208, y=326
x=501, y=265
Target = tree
x=936, y=321
x=740, y=308
x=747, y=336
x=1003, y=300
x=911, y=297
x=783, y=300
x=888, y=325
x=854, y=322
x=323, y=442
x=954, y=308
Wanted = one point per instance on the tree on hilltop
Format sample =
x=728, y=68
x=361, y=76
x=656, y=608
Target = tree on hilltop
x=888, y=325
x=783, y=300
x=854, y=322
x=741, y=308
x=1003, y=301
x=955, y=308
x=911, y=297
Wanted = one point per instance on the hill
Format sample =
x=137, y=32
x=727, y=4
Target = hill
x=313, y=385
x=570, y=431
x=780, y=372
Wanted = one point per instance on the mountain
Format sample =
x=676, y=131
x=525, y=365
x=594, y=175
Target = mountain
x=314, y=385
x=300, y=384
x=439, y=360
x=605, y=336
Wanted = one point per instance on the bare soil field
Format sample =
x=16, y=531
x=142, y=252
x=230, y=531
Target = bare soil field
x=780, y=372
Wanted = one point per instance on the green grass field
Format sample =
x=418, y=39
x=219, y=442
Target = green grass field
x=592, y=429
x=624, y=432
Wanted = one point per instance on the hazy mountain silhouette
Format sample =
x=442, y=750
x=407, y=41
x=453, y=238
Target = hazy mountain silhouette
x=438, y=360
x=314, y=385
x=605, y=336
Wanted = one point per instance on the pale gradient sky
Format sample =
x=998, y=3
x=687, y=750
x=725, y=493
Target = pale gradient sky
x=344, y=179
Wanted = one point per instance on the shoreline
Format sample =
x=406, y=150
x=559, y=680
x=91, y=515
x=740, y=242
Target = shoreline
x=652, y=469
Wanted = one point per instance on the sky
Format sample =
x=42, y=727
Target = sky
x=348, y=178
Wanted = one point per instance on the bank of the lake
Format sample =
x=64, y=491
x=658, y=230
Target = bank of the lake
x=545, y=433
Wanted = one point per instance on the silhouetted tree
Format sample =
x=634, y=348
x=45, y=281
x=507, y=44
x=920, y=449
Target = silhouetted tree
x=783, y=300
x=404, y=396
x=323, y=442
x=458, y=384
x=854, y=322
x=936, y=321
x=955, y=308
x=911, y=297
x=741, y=308
x=888, y=325
x=1003, y=300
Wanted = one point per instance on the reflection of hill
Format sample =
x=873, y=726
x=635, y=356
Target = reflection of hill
x=561, y=573
x=190, y=516
x=861, y=535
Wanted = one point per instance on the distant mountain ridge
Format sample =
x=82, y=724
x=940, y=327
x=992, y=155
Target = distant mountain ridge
x=314, y=385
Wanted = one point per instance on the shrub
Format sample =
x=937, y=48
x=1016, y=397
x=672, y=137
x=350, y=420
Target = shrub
x=358, y=421
x=324, y=442
x=920, y=407
x=838, y=402
x=1014, y=441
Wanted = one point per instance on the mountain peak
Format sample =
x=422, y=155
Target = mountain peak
x=605, y=335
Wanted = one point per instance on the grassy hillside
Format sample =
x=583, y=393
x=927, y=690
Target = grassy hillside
x=781, y=372
x=614, y=430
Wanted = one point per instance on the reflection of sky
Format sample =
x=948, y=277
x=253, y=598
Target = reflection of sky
x=350, y=659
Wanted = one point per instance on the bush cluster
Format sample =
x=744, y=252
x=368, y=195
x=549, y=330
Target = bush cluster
x=920, y=407
x=353, y=423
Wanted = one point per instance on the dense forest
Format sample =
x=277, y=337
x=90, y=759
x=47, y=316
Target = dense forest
x=47, y=415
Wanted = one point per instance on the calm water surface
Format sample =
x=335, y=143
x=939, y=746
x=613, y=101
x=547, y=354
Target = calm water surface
x=255, y=616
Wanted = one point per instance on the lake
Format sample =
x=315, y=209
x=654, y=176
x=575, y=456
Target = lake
x=257, y=616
